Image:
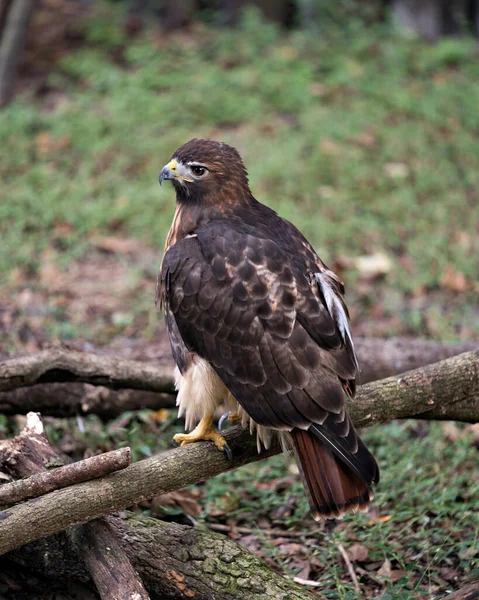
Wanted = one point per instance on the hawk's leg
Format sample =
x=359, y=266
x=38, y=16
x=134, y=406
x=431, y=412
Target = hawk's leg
x=204, y=431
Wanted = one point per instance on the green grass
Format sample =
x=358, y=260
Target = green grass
x=367, y=141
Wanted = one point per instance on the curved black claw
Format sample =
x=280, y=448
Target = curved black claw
x=174, y=443
x=227, y=450
x=222, y=420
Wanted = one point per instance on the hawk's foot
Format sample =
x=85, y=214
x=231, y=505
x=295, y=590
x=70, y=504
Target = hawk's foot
x=204, y=431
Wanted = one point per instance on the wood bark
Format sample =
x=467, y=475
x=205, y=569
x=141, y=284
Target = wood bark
x=71, y=399
x=69, y=365
x=185, y=563
x=413, y=394
x=154, y=385
x=174, y=561
x=42, y=483
x=30, y=454
x=468, y=592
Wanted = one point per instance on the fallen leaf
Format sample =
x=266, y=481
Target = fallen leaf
x=453, y=280
x=396, y=170
x=117, y=245
x=49, y=273
x=357, y=552
x=292, y=548
x=373, y=265
x=43, y=142
x=329, y=146
x=379, y=519
x=184, y=499
x=365, y=139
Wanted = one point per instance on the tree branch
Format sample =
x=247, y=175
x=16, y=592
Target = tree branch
x=377, y=358
x=40, y=484
x=415, y=393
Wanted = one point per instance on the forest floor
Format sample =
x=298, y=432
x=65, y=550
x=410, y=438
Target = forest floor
x=367, y=141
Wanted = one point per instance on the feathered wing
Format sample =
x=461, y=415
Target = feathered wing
x=274, y=328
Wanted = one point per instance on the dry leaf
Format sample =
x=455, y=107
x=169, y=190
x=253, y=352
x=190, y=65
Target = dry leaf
x=357, y=552
x=373, y=265
x=118, y=245
x=396, y=170
x=183, y=499
x=49, y=273
x=329, y=146
x=453, y=280
x=379, y=519
x=366, y=139
x=43, y=142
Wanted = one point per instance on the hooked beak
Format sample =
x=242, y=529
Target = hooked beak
x=168, y=171
x=174, y=170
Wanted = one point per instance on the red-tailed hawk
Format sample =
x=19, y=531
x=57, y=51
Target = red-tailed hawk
x=257, y=323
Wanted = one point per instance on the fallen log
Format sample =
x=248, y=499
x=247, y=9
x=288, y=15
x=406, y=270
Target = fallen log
x=71, y=399
x=468, y=592
x=413, y=394
x=175, y=562
x=32, y=383
x=104, y=550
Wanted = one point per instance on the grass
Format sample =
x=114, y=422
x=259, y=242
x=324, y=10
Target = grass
x=367, y=140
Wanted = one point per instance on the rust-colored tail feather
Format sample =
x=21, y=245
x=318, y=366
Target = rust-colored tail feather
x=331, y=487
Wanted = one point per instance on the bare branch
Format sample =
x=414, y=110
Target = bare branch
x=410, y=395
x=84, y=470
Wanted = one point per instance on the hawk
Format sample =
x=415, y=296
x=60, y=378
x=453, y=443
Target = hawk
x=257, y=324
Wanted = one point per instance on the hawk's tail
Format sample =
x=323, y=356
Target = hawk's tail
x=332, y=488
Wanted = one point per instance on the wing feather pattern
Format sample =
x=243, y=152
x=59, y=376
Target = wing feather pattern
x=274, y=327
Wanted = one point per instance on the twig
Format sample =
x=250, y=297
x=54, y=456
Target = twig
x=270, y=532
x=350, y=569
x=41, y=483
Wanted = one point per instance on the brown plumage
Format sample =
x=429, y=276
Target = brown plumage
x=257, y=322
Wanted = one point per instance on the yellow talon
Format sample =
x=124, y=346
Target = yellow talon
x=203, y=431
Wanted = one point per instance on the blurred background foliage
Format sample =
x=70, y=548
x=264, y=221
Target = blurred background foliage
x=353, y=125
x=361, y=133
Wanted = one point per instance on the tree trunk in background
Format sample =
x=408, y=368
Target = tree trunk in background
x=15, y=16
x=175, y=15
x=433, y=18
x=279, y=11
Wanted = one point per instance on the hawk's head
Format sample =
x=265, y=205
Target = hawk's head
x=205, y=168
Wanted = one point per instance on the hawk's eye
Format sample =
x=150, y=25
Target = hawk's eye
x=198, y=171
